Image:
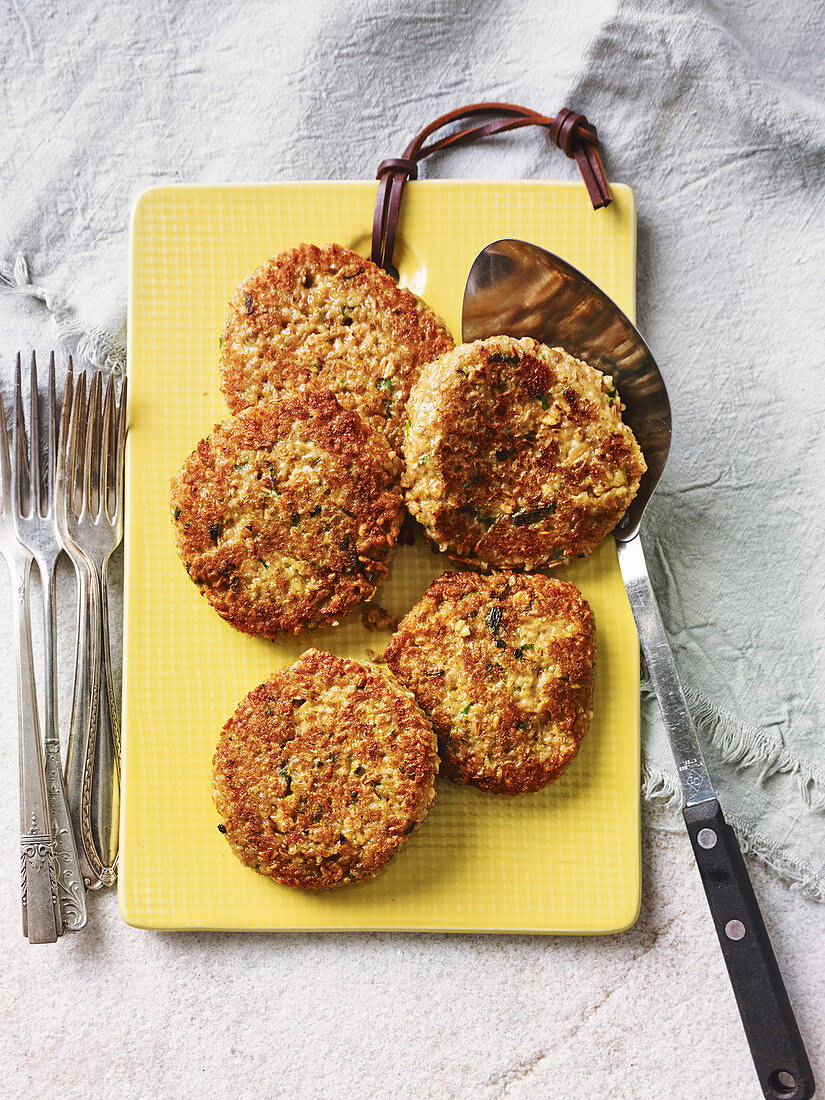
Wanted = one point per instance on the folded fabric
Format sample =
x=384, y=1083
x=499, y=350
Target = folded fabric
x=698, y=111
x=725, y=146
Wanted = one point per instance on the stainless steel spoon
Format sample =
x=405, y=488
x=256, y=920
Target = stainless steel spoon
x=519, y=289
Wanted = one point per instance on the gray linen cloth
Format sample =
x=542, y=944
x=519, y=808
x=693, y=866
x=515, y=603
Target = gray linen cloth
x=712, y=112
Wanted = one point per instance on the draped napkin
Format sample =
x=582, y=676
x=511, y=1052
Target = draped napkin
x=697, y=109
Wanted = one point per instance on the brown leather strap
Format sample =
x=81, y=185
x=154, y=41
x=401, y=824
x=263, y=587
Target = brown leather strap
x=570, y=131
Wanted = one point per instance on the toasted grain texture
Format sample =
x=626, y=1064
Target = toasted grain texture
x=286, y=515
x=517, y=455
x=503, y=664
x=323, y=772
x=326, y=318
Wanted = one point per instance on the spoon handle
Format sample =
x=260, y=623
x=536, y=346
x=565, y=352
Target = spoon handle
x=767, y=1016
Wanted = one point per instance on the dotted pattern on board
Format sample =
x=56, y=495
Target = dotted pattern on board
x=565, y=859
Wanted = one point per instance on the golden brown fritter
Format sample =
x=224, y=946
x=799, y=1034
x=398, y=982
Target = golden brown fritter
x=326, y=318
x=517, y=455
x=323, y=772
x=286, y=515
x=503, y=664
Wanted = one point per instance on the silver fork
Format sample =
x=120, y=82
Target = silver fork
x=36, y=531
x=90, y=524
x=41, y=909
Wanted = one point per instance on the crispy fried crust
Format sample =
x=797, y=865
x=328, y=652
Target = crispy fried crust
x=325, y=318
x=323, y=772
x=517, y=454
x=286, y=516
x=503, y=664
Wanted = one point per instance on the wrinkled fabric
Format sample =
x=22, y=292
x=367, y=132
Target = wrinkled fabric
x=713, y=113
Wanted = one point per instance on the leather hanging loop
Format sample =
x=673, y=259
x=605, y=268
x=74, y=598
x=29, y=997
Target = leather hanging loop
x=570, y=131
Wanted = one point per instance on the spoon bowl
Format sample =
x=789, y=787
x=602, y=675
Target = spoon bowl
x=520, y=289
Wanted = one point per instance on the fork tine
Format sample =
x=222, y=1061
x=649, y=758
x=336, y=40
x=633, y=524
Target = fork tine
x=50, y=469
x=76, y=448
x=19, y=458
x=107, y=440
x=120, y=449
x=34, y=442
x=5, y=465
x=93, y=425
x=63, y=467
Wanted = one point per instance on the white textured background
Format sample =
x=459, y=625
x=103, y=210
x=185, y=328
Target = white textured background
x=713, y=113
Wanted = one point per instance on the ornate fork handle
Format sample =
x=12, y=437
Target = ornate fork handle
x=106, y=803
x=41, y=909
x=114, y=716
x=70, y=890
x=83, y=731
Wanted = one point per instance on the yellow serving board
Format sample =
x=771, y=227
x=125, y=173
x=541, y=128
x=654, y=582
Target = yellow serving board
x=566, y=859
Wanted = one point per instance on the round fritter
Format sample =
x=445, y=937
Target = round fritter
x=503, y=664
x=286, y=515
x=517, y=455
x=323, y=772
x=326, y=318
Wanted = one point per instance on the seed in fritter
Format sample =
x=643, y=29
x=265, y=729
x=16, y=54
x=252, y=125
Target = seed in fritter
x=323, y=772
x=503, y=664
x=286, y=515
x=326, y=318
x=516, y=454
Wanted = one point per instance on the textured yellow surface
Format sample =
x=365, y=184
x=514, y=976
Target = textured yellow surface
x=563, y=860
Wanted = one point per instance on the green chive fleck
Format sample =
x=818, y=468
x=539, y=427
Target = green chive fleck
x=177, y=511
x=543, y=400
x=295, y=520
x=466, y=709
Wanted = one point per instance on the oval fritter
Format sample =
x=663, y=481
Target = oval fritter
x=286, y=515
x=326, y=318
x=323, y=772
x=517, y=455
x=503, y=664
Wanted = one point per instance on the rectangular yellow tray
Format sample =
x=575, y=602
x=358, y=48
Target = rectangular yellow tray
x=565, y=859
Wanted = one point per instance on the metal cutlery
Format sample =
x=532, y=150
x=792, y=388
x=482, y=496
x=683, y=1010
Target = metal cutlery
x=519, y=289
x=41, y=910
x=90, y=526
x=35, y=527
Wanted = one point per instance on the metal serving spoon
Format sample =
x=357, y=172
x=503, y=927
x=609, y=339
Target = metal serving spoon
x=518, y=289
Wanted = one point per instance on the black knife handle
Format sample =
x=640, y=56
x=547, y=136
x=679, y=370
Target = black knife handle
x=770, y=1026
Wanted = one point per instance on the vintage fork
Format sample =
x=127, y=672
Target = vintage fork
x=80, y=757
x=37, y=532
x=41, y=909
x=90, y=523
